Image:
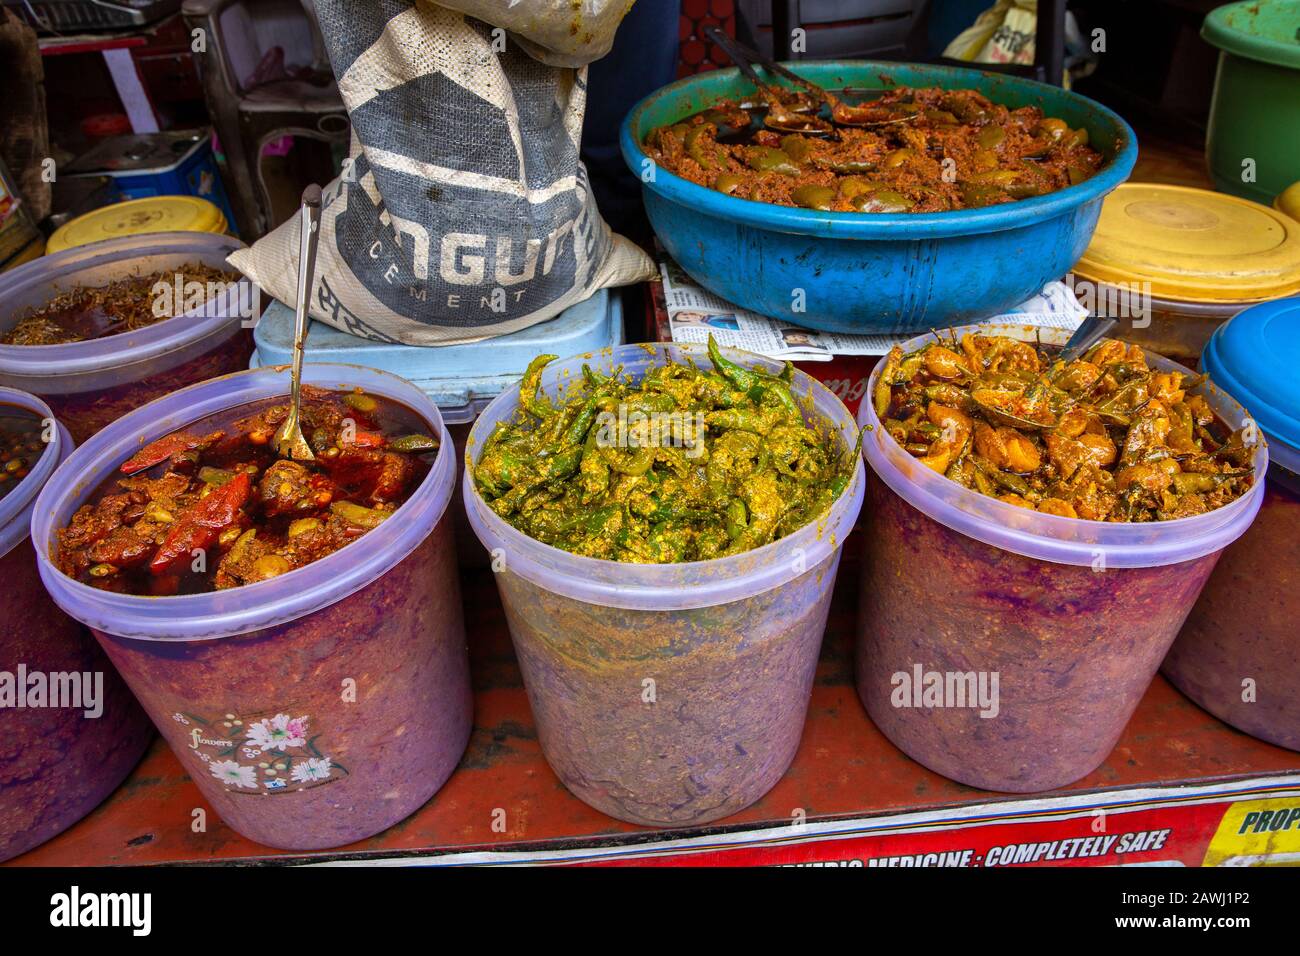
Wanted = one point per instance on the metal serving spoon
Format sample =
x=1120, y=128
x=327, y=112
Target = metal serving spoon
x=842, y=113
x=779, y=117
x=1090, y=331
x=289, y=439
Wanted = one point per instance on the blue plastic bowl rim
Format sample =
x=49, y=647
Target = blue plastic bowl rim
x=1101, y=545
x=252, y=607
x=896, y=226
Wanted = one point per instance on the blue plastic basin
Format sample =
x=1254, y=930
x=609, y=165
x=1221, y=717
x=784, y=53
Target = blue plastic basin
x=863, y=272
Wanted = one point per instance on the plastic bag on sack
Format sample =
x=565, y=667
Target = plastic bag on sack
x=462, y=211
x=557, y=32
x=1004, y=33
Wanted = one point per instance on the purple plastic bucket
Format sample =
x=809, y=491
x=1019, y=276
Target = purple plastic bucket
x=667, y=695
x=1046, y=630
x=90, y=384
x=1236, y=655
x=60, y=758
x=312, y=709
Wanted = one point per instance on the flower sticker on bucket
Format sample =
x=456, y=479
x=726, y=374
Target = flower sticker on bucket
x=270, y=753
x=233, y=774
x=278, y=733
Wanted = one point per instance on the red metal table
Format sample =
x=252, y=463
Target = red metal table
x=1179, y=789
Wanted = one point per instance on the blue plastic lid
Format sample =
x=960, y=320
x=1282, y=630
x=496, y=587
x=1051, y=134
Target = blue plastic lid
x=461, y=379
x=1253, y=357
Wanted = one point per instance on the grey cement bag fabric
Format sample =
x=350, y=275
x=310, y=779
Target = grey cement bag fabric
x=558, y=32
x=462, y=211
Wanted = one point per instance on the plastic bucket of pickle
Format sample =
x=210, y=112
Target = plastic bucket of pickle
x=668, y=694
x=97, y=380
x=1236, y=655
x=1007, y=648
x=312, y=708
x=72, y=730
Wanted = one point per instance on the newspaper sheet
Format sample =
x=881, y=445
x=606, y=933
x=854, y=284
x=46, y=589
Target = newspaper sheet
x=695, y=312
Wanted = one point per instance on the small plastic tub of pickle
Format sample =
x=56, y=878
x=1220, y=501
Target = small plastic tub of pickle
x=668, y=694
x=91, y=383
x=1237, y=654
x=314, y=708
x=72, y=730
x=1006, y=648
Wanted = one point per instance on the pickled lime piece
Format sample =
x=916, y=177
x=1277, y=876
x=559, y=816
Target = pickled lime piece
x=814, y=197
x=998, y=177
x=1053, y=127
x=991, y=137
x=727, y=183
x=765, y=159
x=884, y=200
x=899, y=156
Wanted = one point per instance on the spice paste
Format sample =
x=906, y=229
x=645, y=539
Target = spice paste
x=912, y=150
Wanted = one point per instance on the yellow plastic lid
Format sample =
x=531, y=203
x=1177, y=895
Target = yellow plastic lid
x=138, y=216
x=1288, y=201
x=1193, y=245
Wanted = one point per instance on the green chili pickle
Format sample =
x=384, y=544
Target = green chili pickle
x=685, y=465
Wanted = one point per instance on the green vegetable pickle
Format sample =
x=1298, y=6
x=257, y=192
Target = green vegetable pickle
x=688, y=464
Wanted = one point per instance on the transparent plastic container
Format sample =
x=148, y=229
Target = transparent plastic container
x=1243, y=628
x=90, y=384
x=1071, y=617
x=1237, y=655
x=667, y=695
x=1175, y=329
x=315, y=708
x=1173, y=263
x=56, y=763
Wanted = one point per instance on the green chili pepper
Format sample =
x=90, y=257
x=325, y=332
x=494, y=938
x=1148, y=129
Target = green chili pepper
x=530, y=389
x=215, y=476
x=740, y=377
x=413, y=444
x=701, y=463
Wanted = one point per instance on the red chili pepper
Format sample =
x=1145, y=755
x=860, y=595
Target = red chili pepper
x=199, y=525
x=162, y=449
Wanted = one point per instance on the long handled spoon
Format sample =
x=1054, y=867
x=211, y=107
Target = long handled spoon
x=289, y=439
x=779, y=116
x=841, y=112
x=1089, y=332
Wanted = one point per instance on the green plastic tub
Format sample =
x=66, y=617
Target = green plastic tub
x=1253, y=144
